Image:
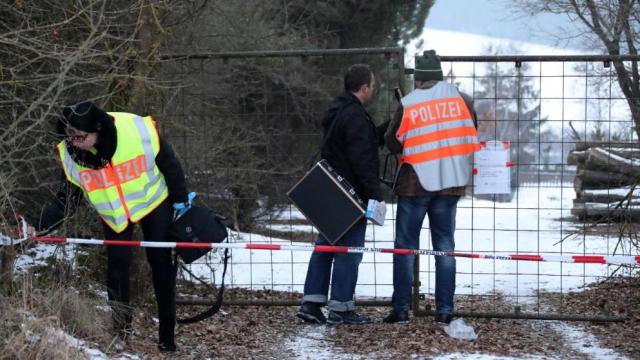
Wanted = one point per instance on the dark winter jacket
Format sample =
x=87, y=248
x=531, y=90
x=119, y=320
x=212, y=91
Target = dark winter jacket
x=69, y=194
x=352, y=147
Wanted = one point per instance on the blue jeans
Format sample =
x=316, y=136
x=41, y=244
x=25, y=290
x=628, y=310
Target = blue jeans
x=441, y=210
x=344, y=275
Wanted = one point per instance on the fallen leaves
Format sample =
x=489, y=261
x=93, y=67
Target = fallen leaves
x=264, y=331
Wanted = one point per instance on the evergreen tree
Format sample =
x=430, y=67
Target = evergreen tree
x=262, y=105
x=359, y=23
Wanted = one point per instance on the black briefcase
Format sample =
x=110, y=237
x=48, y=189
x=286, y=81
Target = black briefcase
x=328, y=201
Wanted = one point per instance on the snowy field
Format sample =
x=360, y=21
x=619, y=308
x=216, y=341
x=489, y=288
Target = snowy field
x=534, y=222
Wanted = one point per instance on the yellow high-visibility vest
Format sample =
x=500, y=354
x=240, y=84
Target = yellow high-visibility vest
x=437, y=136
x=130, y=186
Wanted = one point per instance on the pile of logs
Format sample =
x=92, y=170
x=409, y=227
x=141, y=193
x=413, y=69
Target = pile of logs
x=607, y=182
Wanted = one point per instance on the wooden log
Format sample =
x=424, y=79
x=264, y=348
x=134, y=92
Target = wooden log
x=626, y=152
x=585, y=197
x=576, y=158
x=595, y=179
x=584, y=145
x=577, y=185
x=584, y=211
x=598, y=158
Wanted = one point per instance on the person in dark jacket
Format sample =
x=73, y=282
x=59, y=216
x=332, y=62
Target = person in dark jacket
x=352, y=150
x=129, y=174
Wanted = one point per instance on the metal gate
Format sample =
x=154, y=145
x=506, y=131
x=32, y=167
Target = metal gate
x=223, y=115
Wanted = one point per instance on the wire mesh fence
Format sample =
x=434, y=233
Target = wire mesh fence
x=256, y=117
x=255, y=120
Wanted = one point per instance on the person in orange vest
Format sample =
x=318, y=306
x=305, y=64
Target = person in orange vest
x=130, y=175
x=434, y=131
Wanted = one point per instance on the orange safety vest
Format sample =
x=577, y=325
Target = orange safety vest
x=438, y=136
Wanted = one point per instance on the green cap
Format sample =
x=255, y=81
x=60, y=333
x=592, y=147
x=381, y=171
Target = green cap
x=428, y=67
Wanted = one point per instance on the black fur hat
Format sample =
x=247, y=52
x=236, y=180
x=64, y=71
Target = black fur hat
x=85, y=116
x=89, y=117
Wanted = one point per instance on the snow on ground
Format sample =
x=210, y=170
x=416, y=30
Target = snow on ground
x=291, y=228
x=477, y=356
x=532, y=223
x=58, y=336
x=584, y=342
x=40, y=254
x=449, y=43
x=313, y=344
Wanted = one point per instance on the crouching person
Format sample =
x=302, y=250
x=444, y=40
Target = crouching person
x=129, y=175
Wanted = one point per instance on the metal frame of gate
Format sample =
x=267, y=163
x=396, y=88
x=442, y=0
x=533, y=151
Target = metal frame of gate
x=517, y=312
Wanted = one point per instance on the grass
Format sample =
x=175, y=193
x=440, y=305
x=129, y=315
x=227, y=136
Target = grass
x=36, y=322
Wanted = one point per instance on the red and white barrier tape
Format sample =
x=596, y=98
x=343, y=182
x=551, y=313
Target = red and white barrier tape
x=581, y=259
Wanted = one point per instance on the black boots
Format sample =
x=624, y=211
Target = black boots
x=443, y=319
x=166, y=336
x=347, y=317
x=311, y=313
x=401, y=317
x=167, y=347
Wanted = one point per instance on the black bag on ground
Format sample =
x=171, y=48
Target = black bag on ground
x=199, y=225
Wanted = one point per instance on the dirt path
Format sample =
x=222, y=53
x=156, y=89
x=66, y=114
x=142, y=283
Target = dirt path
x=275, y=333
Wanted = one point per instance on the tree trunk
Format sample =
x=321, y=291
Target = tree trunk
x=7, y=259
x=144, y=99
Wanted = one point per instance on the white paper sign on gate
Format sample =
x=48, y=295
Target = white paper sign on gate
x=492, y=168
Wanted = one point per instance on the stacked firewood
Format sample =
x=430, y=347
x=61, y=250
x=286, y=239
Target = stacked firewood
x=607, y=181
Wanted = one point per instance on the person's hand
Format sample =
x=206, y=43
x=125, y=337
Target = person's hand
x=179, y=209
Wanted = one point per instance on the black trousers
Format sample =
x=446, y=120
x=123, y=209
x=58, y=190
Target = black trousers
x=155, y=227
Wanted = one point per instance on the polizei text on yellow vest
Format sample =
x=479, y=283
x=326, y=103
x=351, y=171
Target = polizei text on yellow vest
x=130, y=186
